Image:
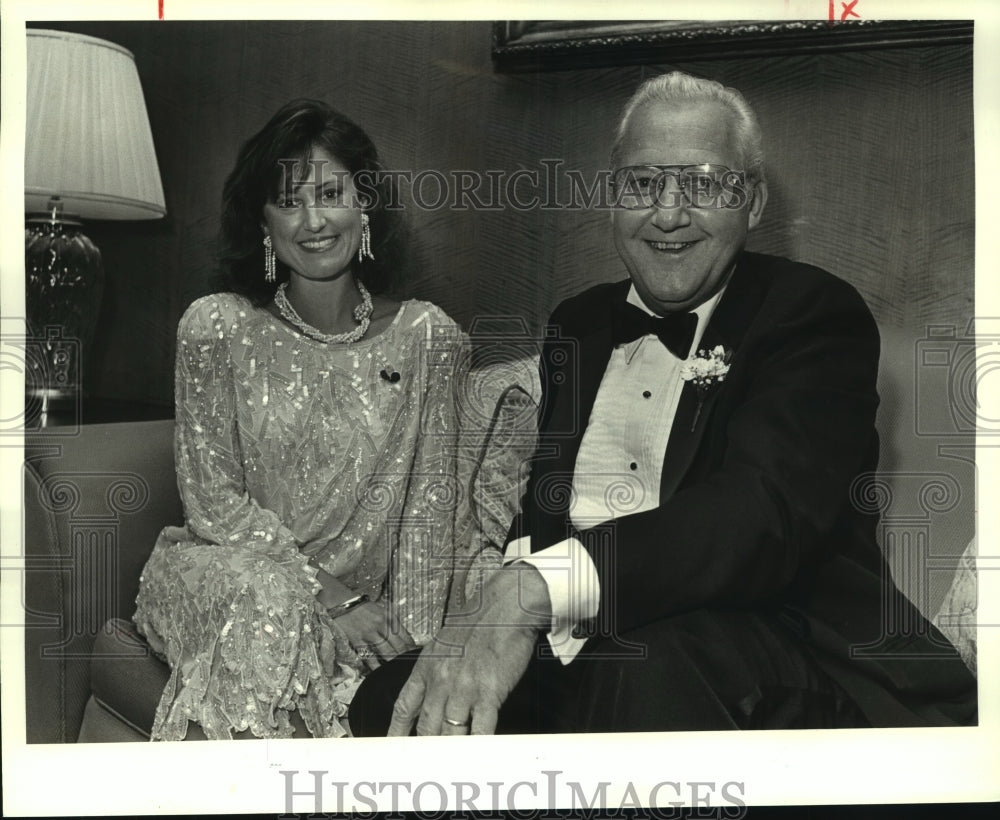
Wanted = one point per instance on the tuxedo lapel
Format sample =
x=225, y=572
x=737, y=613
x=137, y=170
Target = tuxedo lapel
x=573, y=368
x=690, y=423
x=727, y=327
x=578, y=380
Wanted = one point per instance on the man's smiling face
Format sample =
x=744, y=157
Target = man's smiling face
x=679, y=256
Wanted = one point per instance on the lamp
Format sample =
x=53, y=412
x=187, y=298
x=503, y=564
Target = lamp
x=88, y=154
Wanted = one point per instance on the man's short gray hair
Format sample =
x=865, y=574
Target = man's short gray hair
x=678, y=87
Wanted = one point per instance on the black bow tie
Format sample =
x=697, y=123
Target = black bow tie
x=675, y=330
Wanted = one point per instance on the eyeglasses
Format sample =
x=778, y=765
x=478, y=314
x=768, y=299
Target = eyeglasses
x=701, y=186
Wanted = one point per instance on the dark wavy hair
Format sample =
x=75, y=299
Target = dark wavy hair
x=292, y=133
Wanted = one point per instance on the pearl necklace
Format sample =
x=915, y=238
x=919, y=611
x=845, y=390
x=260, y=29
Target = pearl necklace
x=362, y=315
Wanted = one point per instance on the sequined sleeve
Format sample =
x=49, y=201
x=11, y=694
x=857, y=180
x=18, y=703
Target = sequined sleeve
x=210, y=474
x=435, y=513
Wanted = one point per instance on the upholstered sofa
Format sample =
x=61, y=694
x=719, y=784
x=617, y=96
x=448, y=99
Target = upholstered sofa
x=96, y=497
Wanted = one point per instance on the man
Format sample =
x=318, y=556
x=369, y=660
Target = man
x=688, y=555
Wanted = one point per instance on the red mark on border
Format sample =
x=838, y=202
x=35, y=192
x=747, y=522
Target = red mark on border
x=161, y=9
x=847, y=10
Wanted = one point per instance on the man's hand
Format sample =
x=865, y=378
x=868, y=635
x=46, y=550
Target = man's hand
x=461, y=680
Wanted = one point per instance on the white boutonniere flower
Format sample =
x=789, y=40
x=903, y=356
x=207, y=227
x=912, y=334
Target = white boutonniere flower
x=704, y=370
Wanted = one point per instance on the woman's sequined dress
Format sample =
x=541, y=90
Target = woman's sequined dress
x=289, y=449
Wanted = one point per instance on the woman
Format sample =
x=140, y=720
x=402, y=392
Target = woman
x=315, y=450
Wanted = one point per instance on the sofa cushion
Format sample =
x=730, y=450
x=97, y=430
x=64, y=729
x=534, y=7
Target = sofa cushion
x=102, y=725
x=94, y=503
x=125, y=677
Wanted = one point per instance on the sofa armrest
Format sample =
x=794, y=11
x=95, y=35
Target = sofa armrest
x=93, y=506
x=499, y=435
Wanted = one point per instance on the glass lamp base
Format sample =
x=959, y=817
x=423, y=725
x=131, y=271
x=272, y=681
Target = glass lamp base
x=64, y=280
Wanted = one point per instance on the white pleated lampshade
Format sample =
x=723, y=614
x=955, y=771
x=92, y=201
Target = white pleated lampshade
x=88, y=139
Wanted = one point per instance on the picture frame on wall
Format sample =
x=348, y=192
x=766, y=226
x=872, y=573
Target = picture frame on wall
x=552, y=45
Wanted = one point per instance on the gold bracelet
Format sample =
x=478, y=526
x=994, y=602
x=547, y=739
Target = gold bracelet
x=337, y=610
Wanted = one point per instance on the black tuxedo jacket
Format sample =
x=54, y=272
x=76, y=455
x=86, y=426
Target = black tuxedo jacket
x=762, y=503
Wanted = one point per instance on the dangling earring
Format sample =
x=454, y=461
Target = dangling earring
x=365, y=248
x=268, y=260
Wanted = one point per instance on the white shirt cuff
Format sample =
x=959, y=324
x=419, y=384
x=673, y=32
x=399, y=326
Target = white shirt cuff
x=574, y=588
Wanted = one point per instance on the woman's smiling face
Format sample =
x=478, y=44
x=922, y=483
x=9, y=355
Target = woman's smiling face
x=314, y=219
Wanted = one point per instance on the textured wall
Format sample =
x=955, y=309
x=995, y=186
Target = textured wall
x=870, y=167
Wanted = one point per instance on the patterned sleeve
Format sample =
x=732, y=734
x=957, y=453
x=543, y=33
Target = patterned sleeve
x=491, y=418
x=433, y=531
x=217, y=506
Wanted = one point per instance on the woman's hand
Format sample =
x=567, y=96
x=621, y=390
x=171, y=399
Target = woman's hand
x=372, y=636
